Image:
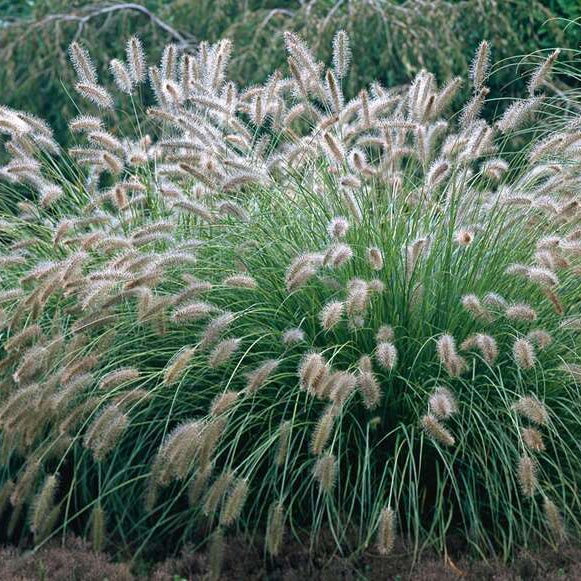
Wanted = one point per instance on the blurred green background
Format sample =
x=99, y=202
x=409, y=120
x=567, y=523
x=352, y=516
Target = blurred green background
x=391, y=39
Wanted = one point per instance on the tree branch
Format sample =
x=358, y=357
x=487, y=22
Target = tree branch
x=184, y=40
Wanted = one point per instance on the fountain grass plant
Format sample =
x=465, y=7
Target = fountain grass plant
x=277, y=312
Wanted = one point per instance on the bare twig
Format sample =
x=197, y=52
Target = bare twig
x=83, y=17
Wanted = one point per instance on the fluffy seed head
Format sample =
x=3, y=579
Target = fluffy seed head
x=540, y=75
x=386, y=355
x=375, y=258
x=240, y=281
x=368, y=384
x=275, y=529
x=527, y=476
x=521, y=312
x=257, y=378
x=223, y=402
x=98, y=528
x=312, y=370
x=480, y=65
x=338, y=227
x=292, y=336
x=234, y=503
x=494, y=300
x=105, y=431
x=533, y=439
x=118, y=377
x=216, y=554
x=437, y=431
x=446, y=347
x=331, y=314
x=96, y=94
x=122, y=76
x=543, y=276
x=554, y=520
x=442, y=403
x=322, y=431
x=179, y=365
x=524, y=353
x=135, y=59
x=473, y=305
x=223, y=352
x=301, y=270
x=357, y=297
x=384, y=334
x=486, y=344
x=43, y=504
x=325, y=472
x=464, y=237
x=386, y=531
x=341, y=54
x=23, y=338
x=338, y=255
x=342, y=385
x=540, y=338
x=215, y=328
x=217, y=491
x=193, y=312
x=82, y=63
x=532, y=409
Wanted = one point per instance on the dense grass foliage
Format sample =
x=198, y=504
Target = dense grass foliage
x=278, y=310
x=395, y=39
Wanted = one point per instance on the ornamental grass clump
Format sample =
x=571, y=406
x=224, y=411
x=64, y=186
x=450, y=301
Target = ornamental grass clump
x=280, y=311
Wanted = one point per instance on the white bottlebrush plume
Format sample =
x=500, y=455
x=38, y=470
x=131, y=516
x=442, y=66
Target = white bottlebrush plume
x=532, y=409
x=338, y=227
x=135, y=59
x=368, y=384
x=473, y=305
x=386, y=354
x=341, y=54
x=325, y=472
x=122, y=76
x=435, y=430
x=521, y=312
x=554, y=520
x=442, y=403
x=223, y=352
x=83, y=64
x=240, y=281
x=533, y=439
x=527, y=475
x=96, y=94
x=540, y=338
x=385, y=333
x=524, y=353
x=454, y=363
x=539, y=76
x=518, y=113
x=257, y=378
x=193, y=312
x=480, y=65
x=386, y=531
x=375, y=258
x=338, y=255
x=331, y=314
x=292, y=336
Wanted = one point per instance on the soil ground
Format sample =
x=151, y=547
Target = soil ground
x=76, y=562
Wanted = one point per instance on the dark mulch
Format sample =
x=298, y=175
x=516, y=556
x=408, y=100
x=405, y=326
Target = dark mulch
x=76, y=562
